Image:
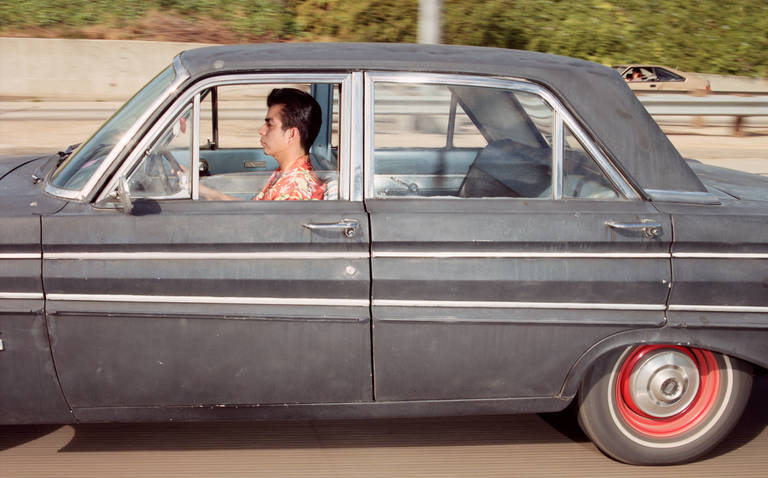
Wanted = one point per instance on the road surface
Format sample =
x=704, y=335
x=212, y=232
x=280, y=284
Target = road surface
x=487, y=447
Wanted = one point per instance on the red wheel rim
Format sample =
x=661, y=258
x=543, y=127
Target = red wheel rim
x=683, y=421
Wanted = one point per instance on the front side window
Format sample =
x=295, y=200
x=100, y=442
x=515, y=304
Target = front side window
x=459, y=141
x=232, y=155
x=222, y=149
x=165, y=170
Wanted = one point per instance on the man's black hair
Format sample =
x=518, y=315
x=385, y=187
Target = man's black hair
x=300, y=111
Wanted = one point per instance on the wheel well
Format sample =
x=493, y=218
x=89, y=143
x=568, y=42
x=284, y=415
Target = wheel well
x=744, y=344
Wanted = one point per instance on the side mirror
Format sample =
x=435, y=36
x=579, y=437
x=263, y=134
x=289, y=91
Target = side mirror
x=123, y=193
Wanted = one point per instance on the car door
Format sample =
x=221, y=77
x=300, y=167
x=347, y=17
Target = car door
x=504, y=245
x=185, y=302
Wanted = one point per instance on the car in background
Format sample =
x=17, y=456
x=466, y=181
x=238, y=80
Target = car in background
x=662, y=78
x=505, y=232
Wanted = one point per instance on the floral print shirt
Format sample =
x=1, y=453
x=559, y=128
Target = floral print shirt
x=296, y=182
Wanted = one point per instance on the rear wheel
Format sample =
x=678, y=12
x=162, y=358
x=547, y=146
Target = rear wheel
x=662, y=404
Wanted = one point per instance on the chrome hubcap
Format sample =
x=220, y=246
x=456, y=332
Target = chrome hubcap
x=664, y=383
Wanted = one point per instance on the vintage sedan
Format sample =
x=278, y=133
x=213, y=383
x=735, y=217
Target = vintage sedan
x=502, y=232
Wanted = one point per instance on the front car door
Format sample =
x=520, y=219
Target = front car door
x=192, y=303
x=504, y=244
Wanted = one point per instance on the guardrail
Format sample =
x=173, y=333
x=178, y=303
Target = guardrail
x=658, y=105
x=685, y=105
x=737, y=107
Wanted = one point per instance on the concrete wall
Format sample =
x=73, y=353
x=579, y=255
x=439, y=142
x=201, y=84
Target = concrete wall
x=100, y=70
x=93, y=70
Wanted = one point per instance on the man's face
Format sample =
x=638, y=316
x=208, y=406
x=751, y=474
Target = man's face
x=274, y=139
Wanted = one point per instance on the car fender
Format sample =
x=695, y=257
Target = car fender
x=747, y=344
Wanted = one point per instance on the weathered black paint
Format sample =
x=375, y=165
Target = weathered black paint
x=440, y=352
x=173, y=355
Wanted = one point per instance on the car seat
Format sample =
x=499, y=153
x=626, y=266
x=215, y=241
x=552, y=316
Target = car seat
x=507, y=168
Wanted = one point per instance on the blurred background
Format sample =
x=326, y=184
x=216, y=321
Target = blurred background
x=708, y=36
x=68, y=64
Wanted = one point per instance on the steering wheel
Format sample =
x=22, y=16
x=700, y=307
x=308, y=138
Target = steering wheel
x=162, y=169
x=168, y=156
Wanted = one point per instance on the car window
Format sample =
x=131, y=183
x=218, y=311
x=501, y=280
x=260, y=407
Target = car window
x=666, y=75
x=582, y=177
x=164, y=171
x=438, y=140
x=231, y=159
x=457, y=141
x=640, y=73
x=425, y=125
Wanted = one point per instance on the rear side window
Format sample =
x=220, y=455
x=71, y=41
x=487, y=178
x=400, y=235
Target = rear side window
x=459, y=141
x=666, y=75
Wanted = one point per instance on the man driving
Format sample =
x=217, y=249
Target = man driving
x=292, y=123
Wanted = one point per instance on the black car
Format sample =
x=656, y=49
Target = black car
x=502, y=232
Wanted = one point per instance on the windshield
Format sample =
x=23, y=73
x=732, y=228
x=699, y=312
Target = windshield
x=80, y=166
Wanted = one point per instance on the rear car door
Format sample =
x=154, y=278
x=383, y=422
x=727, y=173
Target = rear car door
x=185, y=302
x=504, y=244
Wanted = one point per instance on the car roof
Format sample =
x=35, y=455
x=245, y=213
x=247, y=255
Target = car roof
x=593, y=93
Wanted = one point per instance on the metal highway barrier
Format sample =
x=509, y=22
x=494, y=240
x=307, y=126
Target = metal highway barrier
x=737, y=107
x=713, y=105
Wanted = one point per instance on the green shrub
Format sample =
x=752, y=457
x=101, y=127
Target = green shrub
x=707, y=36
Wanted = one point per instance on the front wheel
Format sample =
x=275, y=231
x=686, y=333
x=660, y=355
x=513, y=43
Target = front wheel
x=662, y=404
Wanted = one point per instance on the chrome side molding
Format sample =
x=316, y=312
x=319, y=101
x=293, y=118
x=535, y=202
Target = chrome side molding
x=692, y=197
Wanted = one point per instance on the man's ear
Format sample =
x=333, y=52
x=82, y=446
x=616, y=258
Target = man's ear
x=294, y=135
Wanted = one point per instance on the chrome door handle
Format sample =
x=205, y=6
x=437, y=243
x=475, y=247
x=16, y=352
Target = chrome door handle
x=347, y=226
x=650, y=229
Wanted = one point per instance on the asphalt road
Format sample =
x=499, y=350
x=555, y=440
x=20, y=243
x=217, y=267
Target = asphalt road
x=497, y=446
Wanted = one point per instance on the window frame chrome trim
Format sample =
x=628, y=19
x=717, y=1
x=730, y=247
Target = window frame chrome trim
x=86, y=191
x=356, y=145
x=226, y=80
x=368, y=121
x=557, y=156
x=614, y=175
x=514, y=305
x=200, y=256
x=195, y=187
x=184, y=299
